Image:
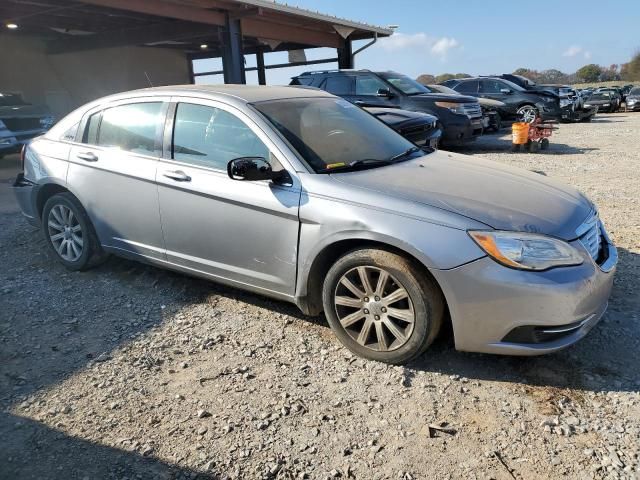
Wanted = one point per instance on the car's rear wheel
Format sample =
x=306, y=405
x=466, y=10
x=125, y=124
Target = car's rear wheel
x=69, y=233
x=527, y=113
x=381, y=306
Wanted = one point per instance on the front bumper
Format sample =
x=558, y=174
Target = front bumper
x=460, y=129
x=488, y=302
x=633, y=106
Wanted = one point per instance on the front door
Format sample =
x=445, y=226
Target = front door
x=112, y=168
x=242, y=231
x=368, y=90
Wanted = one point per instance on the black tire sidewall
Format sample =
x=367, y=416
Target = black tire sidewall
x=88, y=237
x=426, y=299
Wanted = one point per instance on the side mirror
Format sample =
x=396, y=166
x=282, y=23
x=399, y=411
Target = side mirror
x=384, y=92
x=505, y=91
x=250, y=168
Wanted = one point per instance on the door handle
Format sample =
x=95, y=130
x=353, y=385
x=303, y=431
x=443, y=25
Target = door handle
x=359, y=102
x=88, y=156
x=177, y=175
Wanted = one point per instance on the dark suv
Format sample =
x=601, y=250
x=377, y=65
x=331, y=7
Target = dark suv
x=519, y=103
x=460, y=116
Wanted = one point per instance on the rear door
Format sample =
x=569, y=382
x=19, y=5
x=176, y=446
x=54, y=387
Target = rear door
x=245, y=232
x=112, y=168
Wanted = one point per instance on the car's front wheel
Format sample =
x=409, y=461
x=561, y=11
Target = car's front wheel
x=69, y=233
x=527, y=113
x=381, y=306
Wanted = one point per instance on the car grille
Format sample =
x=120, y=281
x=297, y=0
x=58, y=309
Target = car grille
x=472, y=110
x=418, y=130
x=18, y=124
x=590, y=235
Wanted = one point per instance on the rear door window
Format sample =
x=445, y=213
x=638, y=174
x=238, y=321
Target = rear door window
x=339, y=85
x=134, y=127
x=467, y=87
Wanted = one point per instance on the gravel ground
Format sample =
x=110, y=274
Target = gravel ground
x=131, y=372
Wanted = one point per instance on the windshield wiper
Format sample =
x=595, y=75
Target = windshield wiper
x=406, y=153
x=365, y=162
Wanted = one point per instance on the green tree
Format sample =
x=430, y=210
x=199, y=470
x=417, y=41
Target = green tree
x=443, y=77
x=527, y=73
x=426, y=79
x=461, y=75
x=552, y=76
x=631, y=71
x=589, y=73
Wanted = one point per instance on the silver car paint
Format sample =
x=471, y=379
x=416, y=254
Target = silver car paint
x=265, y=238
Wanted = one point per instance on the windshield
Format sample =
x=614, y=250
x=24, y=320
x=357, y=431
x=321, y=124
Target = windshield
x=635, y=91
x=11, y=100
x=405, y=84
x=443, y=89
x=513, y=86
x=331, y=134
x=600, y=96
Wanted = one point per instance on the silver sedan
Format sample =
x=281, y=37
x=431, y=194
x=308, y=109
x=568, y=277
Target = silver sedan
x=299, y=195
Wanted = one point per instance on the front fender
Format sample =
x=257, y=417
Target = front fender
x=325, y=222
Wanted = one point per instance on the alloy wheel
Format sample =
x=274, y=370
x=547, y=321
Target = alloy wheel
x=374, y=308
x=527, y=114
x=65, y=233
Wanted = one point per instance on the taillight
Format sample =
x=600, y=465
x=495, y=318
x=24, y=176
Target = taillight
x=23, y=154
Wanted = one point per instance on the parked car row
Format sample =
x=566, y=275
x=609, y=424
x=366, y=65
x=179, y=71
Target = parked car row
x=460, y=116
x=609, y=99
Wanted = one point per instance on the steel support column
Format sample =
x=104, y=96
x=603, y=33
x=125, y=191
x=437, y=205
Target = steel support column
x=232, y=57
x=345, y=55
x=262, y=77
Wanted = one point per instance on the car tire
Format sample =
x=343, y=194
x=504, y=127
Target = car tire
x=392, y=319
x=69, y=233
x=527, y=113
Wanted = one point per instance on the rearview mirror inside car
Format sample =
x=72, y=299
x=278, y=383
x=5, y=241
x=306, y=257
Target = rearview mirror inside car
x=250, y=168
x=505, y=90
x=384, y=92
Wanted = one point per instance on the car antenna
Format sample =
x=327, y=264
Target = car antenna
x=148, y=79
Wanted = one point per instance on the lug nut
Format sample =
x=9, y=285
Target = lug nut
x=366, y=311
x=366, y=299
x=377, y=298
x=377, y=317
x=384, y=310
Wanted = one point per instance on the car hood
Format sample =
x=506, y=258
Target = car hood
x=396, y=116
x=23, y=111
x=499, y=196
x=446, y=97
x=489, y=102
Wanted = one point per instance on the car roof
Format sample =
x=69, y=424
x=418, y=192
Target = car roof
x=246, y=93
x=238, y=94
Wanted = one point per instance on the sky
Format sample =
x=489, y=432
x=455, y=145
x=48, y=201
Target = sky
x=476, y=37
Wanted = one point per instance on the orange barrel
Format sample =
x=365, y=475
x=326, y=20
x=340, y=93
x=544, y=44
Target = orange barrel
x=520, y=133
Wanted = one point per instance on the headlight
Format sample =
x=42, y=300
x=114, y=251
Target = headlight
x=453, y=106
x=526, y=251
x=46, y=122
x=548, y=99
x=587, y=105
